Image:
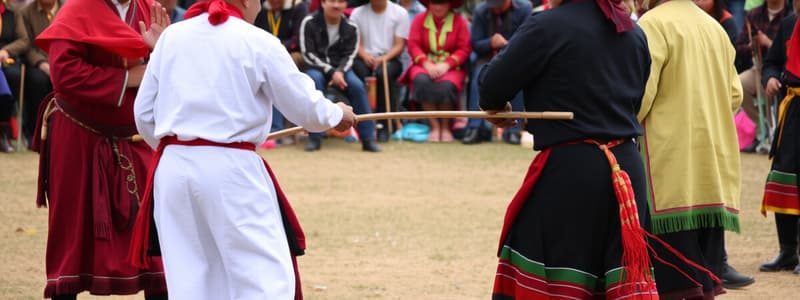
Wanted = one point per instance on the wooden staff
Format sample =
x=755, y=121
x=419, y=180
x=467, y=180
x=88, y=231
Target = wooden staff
x=21, y=106
x=386, y=94
x=544, y=115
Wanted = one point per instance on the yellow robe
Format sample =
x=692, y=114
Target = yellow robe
x=690, y=148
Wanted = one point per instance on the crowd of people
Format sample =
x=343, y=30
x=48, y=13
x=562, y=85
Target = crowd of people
x=628, y=70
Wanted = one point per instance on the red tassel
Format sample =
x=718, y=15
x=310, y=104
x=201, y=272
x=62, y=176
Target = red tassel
x=635, y=259
x=636, y=275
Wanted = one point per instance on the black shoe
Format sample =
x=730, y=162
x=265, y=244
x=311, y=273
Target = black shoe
x=512, y=138
x=472, y=136
x=370, y=146
x=383, y=135
x=732, y=279
x=786, y=260
x=313, y=144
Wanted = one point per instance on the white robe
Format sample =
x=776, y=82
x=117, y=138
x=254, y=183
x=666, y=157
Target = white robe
x=215, y=208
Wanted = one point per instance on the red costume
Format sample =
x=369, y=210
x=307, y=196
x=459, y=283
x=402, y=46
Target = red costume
x=454, y=50
x=90, y=171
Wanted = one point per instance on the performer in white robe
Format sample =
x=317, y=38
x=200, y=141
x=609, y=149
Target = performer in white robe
x=217, y=211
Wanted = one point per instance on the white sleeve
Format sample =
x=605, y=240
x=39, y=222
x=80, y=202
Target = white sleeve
x=403, y=25
x=294, y=94
x=146, y=97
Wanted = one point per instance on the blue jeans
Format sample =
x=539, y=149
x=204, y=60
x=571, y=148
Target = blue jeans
x=473, y=98
x=277, y=120
x=736, y=7
x=355, y=93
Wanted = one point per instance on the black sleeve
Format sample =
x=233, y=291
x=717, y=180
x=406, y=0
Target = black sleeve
x=350, y=49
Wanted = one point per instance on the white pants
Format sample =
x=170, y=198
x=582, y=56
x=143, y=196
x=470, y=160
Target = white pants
x=220, y=226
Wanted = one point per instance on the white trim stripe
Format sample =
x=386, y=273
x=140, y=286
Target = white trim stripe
x=124, y=87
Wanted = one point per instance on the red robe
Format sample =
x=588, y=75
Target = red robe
x=457, y=44
x=92, y=205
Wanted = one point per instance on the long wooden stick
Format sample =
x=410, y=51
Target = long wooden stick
x=21, y=106
x=545, y=115
x=386, y=95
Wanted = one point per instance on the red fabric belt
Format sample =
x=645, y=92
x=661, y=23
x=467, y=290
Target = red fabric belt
x=141, y=233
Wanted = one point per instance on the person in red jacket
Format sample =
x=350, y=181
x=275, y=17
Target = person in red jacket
x=439, y=45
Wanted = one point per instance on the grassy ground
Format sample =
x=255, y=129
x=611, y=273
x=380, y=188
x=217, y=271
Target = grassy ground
x=417, y=221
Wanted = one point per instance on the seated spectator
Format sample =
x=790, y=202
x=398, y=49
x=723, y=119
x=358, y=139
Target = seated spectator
x=763, y=23
x=174, y=11
x=493, y=24
x=329, y=43
x=437, y=73
x=282, y=18
x=13, y=42
x=36, y=16
x=716, y=9
x=384, y=30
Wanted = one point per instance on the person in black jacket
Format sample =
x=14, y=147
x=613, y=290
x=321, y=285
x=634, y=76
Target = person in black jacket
x=329, y=43
x=598, y=69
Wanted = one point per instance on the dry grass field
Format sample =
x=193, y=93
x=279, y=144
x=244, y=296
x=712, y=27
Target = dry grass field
x=417, y=221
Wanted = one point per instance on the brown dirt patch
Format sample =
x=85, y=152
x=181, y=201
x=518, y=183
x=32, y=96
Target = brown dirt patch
x=417, y=221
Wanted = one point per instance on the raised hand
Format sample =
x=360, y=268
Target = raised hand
x=159, y=20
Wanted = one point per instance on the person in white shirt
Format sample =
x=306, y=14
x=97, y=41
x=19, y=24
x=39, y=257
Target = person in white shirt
x=384, y=29
x=225, y=228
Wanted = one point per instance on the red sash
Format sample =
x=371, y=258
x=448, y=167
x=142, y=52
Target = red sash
x=140, y=238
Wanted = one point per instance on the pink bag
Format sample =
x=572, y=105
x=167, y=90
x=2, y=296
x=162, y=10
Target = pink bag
x=745, y=129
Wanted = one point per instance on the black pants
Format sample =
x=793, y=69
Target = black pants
x=703, y=246
x=787, y=229
x=393, y=70
x=37, y=86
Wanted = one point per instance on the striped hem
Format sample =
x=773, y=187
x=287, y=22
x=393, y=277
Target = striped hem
x=519, y=277
x=150, y=282
x=781, y=193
